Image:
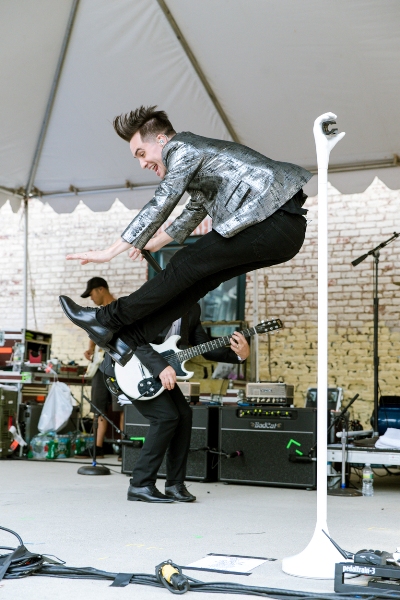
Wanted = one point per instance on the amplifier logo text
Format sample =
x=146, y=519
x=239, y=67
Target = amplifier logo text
x=265, y=425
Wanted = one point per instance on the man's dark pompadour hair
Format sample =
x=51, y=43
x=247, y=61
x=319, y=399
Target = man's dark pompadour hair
x=147, y=120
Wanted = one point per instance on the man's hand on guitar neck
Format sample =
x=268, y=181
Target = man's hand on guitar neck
x=168, y=378
x=240, y=345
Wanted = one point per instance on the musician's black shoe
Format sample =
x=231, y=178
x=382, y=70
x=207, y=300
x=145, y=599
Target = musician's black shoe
x=119, y=351
x=179, y=493
x=86, y=319
x=149, y=493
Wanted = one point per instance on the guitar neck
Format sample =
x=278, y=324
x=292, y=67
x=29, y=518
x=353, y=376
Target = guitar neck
x=189, y=353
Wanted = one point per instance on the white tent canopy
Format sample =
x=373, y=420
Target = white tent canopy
x=259, y=71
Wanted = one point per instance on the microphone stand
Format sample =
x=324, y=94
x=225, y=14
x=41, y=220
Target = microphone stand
x=152, y=261
x=343, y=490
x=375, y=252
x=94, y=468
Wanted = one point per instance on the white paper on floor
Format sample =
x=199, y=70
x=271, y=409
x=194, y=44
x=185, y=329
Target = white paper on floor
x=228, y=563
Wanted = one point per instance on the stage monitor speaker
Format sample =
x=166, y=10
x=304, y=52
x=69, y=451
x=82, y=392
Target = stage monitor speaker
x=271, y=446
x=201, y=465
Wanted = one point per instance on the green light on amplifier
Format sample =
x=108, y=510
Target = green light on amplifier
x=292, y=441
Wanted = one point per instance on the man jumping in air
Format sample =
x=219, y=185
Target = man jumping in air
x=255, y=204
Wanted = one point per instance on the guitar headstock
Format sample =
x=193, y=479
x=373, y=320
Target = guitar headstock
x=269, y=326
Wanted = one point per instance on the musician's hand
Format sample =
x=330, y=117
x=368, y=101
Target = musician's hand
x=168, y=378
x=239, y=345
x=134, y=253
x=88, y=354
x=101, y=256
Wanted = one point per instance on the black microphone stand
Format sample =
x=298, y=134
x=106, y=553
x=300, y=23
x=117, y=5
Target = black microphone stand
x=375, y=252
x=94, y=468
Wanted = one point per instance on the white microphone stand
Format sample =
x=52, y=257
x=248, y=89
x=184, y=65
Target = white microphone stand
x=318, y=559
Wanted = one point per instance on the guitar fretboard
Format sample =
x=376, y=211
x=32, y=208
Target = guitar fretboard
x=189, y=353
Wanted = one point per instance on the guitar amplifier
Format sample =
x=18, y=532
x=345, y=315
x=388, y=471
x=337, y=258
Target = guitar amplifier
x=201, y=465
x=266, y=392
x=271, y=446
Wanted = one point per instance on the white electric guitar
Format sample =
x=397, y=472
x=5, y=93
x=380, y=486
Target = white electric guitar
x=137, y=383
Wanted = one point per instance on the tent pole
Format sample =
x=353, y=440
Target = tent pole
x=25, y=275
x=38, y=151
x=52, y=95
x=198, y=69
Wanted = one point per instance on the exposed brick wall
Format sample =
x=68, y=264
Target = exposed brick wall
x=357, y=222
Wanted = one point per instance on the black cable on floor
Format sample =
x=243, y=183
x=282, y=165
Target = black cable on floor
x=22, y=563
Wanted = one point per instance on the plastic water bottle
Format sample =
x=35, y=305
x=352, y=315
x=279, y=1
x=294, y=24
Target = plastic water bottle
x=368, y=481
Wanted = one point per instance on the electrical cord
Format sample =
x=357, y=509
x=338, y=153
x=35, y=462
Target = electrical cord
x=22, y=563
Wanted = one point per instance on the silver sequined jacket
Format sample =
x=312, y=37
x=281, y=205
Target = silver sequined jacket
x=235, y=185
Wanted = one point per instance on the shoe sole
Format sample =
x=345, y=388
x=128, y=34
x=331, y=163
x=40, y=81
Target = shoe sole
x=177, y=500
x=169, y=501
x=121, y=360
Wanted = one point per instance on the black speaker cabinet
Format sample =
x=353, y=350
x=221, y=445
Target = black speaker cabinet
x=201, y=465
x=271, y=439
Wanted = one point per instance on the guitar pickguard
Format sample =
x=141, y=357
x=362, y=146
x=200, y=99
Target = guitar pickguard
x=177, y=365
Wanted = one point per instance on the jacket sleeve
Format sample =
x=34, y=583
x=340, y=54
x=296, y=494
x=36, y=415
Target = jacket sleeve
x=152, y=360
x=198, y=335
x=183, y=162
x=191, y=216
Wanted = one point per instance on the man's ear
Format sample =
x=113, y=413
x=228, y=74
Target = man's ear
x=161, y=139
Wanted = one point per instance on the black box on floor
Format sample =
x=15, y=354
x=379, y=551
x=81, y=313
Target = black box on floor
x=201, y=465
x=271, y=438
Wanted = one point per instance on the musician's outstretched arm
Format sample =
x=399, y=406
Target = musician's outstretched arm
x=101, y=256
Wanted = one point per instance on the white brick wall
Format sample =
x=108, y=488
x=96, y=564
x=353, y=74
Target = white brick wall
x=357, y=222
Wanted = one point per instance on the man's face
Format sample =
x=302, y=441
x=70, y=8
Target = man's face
x=97, y=296
x=149, y=153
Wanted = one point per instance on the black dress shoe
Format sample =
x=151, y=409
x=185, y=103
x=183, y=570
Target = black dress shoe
x=149, y=493
x=103, y=337
x=86, y=319
x=179, y=493
x=119, y=351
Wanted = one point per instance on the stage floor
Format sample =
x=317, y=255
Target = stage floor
x=87, y=521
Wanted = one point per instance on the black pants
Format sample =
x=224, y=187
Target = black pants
x=199, y=268
x=170, y=429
